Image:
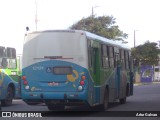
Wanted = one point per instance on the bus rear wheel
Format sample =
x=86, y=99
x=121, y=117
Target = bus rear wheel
x=56, y=107
x=122, y=100
x=9, y=97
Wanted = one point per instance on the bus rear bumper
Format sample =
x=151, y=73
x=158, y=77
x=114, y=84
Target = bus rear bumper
x=65, y=98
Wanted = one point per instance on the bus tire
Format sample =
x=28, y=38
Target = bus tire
x=56, y=107
x=127, y=90
x=122, y=100
x=9, y=97
x=0, y=106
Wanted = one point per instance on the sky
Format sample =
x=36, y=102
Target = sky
x=141, y=16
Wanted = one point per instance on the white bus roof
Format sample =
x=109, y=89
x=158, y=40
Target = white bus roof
x=91, y=36
x=105, y=40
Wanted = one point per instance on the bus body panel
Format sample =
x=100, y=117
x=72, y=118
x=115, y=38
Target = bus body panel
x=44, y=79
x=5, y=81
x=65, y=46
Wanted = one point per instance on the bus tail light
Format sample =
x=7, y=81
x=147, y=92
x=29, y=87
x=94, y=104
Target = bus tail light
x=25, y=82
x=82, y=80
x=83, y=77
x=23, y=77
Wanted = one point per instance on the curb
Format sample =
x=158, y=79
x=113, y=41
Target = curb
x=146, y=83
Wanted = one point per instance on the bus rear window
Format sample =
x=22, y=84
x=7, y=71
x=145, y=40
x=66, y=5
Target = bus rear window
x=62, y=70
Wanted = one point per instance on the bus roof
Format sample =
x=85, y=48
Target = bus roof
x=105, y=40
x=92, y=36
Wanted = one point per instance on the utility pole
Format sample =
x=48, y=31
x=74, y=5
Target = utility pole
x=36, y=19
x=158, y=77
x=135, y=38
x=93, y=10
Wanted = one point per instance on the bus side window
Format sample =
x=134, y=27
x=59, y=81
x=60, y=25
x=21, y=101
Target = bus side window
x=94, y=59
x=126, y=59
x=122, y=58
x=111, y=56
x=104, y=56
x=116, y=57
x=131, y=63
x=89, y=53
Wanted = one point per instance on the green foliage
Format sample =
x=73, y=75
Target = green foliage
x=103, y=26
x=146, y=54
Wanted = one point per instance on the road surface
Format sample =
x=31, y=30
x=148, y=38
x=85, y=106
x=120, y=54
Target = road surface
x=146, y=99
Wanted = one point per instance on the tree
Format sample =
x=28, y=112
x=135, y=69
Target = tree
x=103, y=26
x=146, y=54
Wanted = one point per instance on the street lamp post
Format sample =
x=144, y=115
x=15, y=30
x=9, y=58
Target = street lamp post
x=36, y=19
x=93, y=10
x=135, y=38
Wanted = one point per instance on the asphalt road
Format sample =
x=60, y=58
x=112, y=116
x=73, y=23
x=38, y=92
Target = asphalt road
x=146, y=99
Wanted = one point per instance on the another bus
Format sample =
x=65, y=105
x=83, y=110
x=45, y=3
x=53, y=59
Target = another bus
x=73, y=67
x=10, y=74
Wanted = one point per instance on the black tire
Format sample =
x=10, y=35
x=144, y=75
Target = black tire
x=9, y=98
x=122, y=100
x=0, y=106
x=127, y=90
x=56, y=107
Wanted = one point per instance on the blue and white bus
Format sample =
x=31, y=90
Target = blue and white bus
x=74, y=67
